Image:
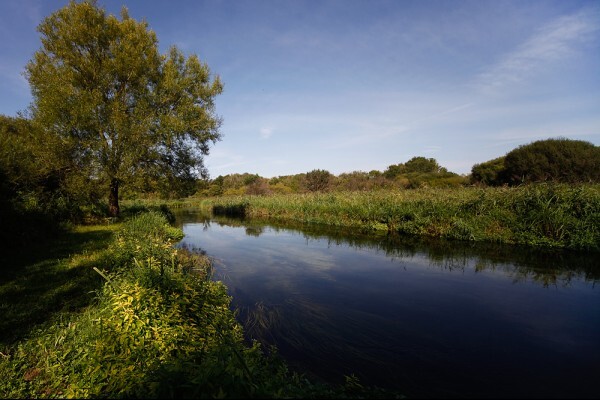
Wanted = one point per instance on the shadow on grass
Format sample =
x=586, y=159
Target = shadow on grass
x=49, y=277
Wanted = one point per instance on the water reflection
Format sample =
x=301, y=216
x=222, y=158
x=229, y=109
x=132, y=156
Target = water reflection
x=435, y=318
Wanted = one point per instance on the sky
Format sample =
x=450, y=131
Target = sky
x=359, y=85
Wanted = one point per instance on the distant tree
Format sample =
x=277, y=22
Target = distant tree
x=489, y=172
x=288, y=183
x=234, y=181
x=394, y=170
x=318, y=180
x=353, y=181
x=215, y=188
x=422, y=165
x=120, y=109
x=258, y=186
x=279, y=187
x=250, y=179
x=558, y=160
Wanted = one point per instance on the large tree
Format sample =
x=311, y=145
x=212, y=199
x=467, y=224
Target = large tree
x=123, y=112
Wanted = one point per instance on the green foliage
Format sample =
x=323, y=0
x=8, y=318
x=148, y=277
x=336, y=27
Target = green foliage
x=556, y=160
x=122, y=112
x=394, y=170
x=552, y=160
x=160, y=328
x=361, y=181
x=48, y=278
x=318, y=180
x=422, y=165
x=489, y=172
x=559, y=216
x=419, y=172
x=36, y=189
x=419, y=165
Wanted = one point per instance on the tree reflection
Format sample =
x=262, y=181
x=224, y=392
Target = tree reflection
x=545, y=267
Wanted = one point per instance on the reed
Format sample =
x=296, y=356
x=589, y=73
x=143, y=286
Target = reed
x=544, y=215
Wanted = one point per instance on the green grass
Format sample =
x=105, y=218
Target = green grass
x=156, y=325
x=44, y=279
x=544, y=215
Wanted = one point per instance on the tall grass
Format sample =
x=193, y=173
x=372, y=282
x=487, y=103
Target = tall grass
x=158, y=328
x=545, y=215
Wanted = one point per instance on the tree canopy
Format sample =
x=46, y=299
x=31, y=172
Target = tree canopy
x=551, y=160
x=559, y=160
x=317, y=180
x=124, y=113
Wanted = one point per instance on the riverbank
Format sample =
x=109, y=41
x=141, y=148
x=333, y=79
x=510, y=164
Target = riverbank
x=156, y=326
x=543, y=215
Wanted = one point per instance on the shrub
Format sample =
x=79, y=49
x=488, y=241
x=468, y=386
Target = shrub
x=489, y=172
x=318, y=180
x=557, y=160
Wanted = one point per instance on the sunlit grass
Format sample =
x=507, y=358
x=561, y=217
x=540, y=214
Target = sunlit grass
x=545, y=215
x=154, y=325
x=44, y=279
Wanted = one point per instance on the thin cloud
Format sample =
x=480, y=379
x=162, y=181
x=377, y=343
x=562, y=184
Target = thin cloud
x=554, y=41
x=266, y=133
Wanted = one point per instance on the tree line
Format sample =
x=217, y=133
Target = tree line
x=112, y=117
x=558, y=160
x=416, y=172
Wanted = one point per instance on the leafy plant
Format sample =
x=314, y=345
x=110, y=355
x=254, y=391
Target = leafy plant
x=160, y=328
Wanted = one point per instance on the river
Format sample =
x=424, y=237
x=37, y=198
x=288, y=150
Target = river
x=428, y=318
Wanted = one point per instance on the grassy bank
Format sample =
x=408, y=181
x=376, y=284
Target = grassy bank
x=156, y=326
x=43, y=279
x=557, y=216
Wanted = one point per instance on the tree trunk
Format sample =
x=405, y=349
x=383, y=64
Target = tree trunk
x=113, y=198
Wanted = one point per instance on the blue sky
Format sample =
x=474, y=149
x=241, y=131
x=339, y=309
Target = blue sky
x=359, y=85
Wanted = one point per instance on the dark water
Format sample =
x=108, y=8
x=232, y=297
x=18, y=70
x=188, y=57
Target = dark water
x=435, y=319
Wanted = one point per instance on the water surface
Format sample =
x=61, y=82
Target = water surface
x=435, y=319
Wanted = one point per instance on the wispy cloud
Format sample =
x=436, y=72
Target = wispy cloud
x=554, y=41
x=266, y=133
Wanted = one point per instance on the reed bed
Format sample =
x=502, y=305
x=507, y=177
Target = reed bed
x=545, y=215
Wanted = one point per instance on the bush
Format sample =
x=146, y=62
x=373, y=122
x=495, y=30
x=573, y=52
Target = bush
x=489, y=172
x=318, y=180
x=556, y=160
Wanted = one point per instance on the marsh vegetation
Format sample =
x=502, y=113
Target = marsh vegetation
x=544, y=215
